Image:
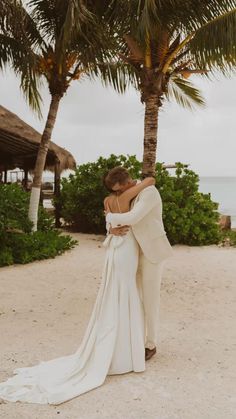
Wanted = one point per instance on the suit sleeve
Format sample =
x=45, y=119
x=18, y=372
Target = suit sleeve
x=145, y=204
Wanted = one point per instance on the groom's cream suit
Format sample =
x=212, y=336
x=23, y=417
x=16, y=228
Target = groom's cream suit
x=145, y=218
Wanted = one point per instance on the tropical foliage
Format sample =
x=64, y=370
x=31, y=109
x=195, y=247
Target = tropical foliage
x=156, y=45
x=165, y=43
x=190, y=217
x=87, y=186
x=17, y=243
x=228, y=238
x=58, y=42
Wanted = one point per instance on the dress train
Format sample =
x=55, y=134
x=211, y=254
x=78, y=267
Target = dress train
x=113, y=342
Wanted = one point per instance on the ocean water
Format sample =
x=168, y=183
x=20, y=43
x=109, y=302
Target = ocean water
x=222, y=190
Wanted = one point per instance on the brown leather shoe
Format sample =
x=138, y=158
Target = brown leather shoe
x=149, y=353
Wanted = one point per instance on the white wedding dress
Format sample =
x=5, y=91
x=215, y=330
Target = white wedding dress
x=114, y=341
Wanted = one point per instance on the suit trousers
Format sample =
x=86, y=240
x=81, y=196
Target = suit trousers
x=149, y=278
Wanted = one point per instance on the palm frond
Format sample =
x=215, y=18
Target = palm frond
x=19, y=38
x=116, y=74
x=22, y=60
x=176, y=15
x=147, y=13
x=184, y=93
x=136, y=52
x=174, y=52
x=43, y=12
x=75, y=19
x=17, y=22
x=30, y=85
x=180, y=56
x=159, y=46
x=214, y=44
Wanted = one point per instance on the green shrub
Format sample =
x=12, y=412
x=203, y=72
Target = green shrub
x=14, y=204
x=46, y=222
x=13, y=208
x=82, y=194
x=228, y=238
x=17, y=243
x=189, y=217
x=38, y=245
x=6, y=257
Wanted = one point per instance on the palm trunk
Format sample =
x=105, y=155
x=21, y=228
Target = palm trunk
x=41, y=159
x=150, y=135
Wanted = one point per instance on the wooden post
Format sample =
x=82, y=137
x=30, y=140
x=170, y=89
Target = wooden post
x=26, y=176
x=57, y=179
x=5, y=176
x=41, y=195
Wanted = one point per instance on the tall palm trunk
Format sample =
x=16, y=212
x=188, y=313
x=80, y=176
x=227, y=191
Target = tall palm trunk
x=41, y=159
x=150, y=135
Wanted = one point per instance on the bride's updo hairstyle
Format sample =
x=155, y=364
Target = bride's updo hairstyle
x=118, y=174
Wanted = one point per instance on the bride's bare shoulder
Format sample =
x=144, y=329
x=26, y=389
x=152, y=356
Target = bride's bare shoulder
x=108, y=200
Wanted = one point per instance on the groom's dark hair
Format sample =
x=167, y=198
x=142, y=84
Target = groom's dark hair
x=117, y=174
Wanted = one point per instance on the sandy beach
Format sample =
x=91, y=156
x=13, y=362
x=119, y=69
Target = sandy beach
x=45, y=307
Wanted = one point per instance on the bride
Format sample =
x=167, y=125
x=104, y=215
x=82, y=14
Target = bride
x=113, y=342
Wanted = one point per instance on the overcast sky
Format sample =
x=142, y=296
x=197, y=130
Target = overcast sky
x=95, y=121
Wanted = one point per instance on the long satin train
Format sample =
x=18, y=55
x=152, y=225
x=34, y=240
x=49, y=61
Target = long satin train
x=113, y=342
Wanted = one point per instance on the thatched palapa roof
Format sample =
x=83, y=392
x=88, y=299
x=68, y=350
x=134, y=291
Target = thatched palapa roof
x=19, y=144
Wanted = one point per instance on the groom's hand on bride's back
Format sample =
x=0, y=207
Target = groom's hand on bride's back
x=119, y=231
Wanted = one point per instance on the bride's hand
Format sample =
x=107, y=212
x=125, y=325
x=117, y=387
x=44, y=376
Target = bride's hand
x=119, y=231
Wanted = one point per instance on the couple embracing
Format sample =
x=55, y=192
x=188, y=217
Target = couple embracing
x=124, y=328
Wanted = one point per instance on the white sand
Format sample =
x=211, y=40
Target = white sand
x=45, y=307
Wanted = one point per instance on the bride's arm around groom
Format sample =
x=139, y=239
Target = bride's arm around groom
x=146, y=200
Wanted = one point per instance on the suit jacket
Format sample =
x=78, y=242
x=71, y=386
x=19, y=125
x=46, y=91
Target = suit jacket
x=145, y=218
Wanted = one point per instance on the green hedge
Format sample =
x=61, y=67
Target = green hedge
x=17, y=243
x=189, y=216
x=82, y=194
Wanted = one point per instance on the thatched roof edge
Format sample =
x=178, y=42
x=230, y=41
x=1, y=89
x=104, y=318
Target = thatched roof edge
x=25, y=137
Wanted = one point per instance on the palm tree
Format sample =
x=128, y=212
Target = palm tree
x=167, y=41
x=59, y=41
x=16, y=48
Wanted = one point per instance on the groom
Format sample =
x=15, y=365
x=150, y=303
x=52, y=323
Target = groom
x=145, y=219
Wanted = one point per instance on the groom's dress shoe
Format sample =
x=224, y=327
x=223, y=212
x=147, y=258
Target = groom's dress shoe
x=149, y=353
